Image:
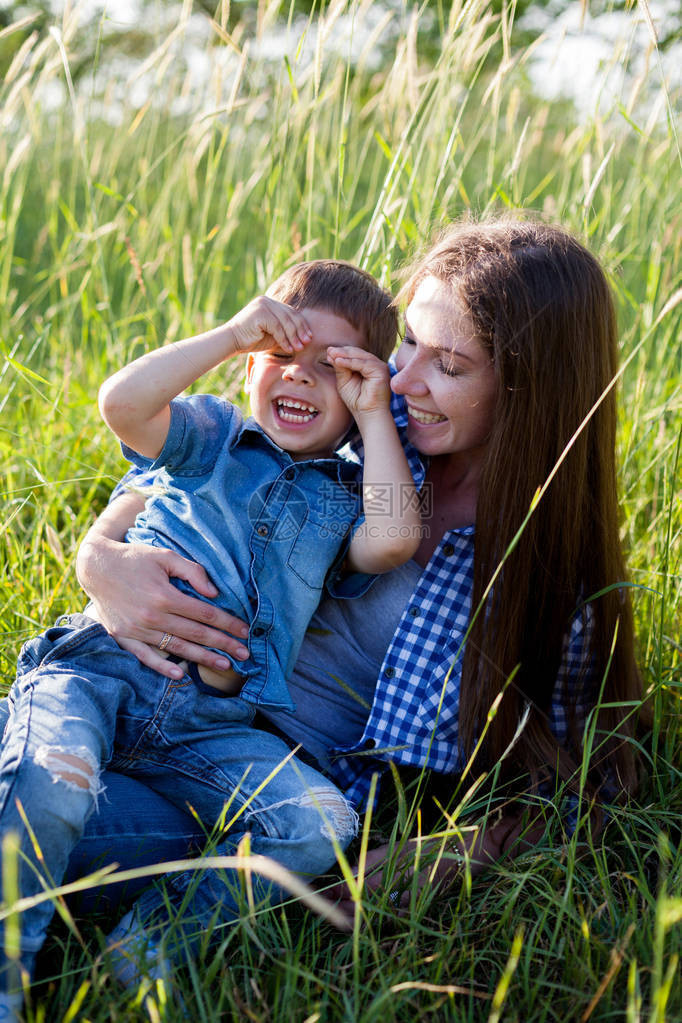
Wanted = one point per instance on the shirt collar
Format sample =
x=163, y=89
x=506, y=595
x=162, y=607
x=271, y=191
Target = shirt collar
x=339, y=464
x=462, y=530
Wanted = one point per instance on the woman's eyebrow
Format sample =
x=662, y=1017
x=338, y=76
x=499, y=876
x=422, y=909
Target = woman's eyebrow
x=450, y=352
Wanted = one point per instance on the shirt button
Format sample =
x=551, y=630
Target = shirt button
x=290, y=473
x=390, y=672
x=413, y=612
x=262, y=530
x=258, y=631
x=448, y=549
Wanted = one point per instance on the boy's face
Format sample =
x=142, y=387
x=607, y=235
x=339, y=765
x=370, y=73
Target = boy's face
x=294, y=397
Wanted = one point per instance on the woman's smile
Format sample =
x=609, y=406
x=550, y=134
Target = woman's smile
x=426, y=418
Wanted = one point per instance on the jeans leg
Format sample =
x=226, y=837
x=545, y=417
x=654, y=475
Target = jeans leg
x=62, y=719
x=50, y=768
x=4, y=713
x=133, y=826
x=292, y=813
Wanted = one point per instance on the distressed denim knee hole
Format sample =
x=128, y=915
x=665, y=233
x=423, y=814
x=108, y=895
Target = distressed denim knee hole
x=338, y=813
x=77, y=769
x=337, y=818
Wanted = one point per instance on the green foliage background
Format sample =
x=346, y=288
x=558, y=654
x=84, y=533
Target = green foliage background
x=143, y=201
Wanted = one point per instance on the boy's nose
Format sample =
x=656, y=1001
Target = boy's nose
x=298, y=372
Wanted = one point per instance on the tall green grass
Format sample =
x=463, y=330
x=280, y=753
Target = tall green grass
x=127, y=221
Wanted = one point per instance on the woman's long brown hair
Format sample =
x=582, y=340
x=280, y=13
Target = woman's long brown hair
x=541, y=303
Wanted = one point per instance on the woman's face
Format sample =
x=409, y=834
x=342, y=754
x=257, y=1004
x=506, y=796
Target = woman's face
x=446, y=376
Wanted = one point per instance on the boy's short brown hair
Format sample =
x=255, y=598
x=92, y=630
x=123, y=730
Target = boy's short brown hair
x=344, y=290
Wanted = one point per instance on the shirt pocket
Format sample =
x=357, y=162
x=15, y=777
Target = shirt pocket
x=314, y=550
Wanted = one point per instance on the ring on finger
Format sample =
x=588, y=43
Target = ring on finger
x=167, y=637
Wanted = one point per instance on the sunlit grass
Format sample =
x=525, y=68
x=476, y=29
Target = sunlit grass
x=123, y=231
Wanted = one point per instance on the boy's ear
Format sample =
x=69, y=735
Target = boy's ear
x=250, y=363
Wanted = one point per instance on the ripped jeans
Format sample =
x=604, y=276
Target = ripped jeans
x=80, y=702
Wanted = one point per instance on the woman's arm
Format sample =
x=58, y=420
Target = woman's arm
x=130, y=586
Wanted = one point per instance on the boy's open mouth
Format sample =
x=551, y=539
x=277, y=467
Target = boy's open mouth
x=295, y=411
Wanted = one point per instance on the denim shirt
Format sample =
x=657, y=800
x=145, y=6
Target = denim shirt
x=267, y=529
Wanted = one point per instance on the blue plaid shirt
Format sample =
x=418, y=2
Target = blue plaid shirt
x=414, y=718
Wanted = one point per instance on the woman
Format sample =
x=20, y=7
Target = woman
x=504, y=391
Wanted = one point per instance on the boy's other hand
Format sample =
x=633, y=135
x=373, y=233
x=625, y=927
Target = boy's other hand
x=266, y=323
x=362, y=380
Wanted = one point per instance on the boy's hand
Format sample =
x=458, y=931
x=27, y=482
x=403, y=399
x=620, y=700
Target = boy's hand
x=362, y=380
x=266, y=323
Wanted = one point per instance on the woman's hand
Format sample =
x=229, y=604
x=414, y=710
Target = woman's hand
x=438, y=861
x=130, y=587
x=383, y=869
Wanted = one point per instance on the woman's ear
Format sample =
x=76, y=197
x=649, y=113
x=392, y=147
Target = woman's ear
x=250, y=363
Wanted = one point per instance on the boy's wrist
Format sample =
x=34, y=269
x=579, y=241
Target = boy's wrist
x=227, y=339
x=213, y=347
x=374, y=419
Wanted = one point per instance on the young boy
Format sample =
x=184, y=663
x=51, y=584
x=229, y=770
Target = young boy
x=268, y=508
